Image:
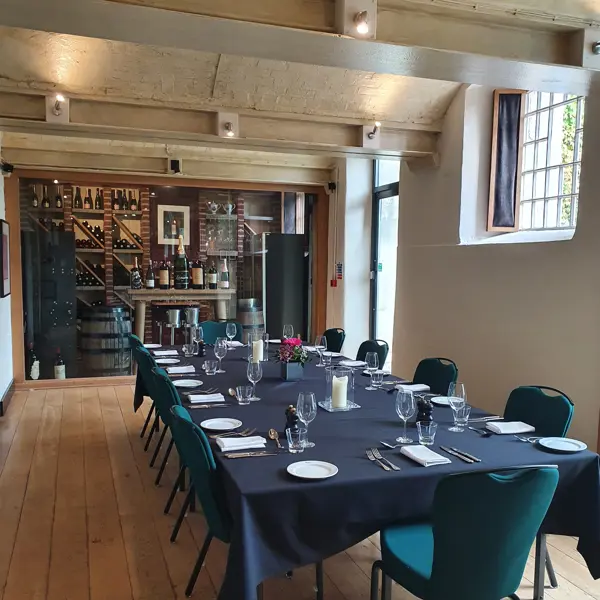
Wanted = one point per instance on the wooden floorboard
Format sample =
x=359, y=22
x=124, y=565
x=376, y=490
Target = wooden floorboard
x=81, y=518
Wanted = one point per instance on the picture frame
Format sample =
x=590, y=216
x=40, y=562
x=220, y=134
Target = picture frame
x=173, y=220
x=4, y=258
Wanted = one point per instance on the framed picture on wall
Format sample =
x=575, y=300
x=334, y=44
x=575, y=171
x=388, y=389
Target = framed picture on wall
x=173, y=221
x=4, y=258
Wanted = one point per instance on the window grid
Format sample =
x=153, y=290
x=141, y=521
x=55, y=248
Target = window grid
x=550, y=177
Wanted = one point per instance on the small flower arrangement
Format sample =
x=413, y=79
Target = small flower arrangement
x=292, y=351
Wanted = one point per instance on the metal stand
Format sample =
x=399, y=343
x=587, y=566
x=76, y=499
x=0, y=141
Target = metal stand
x=540, y=564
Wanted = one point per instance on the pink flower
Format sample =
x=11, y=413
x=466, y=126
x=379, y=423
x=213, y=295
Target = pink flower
x=293, y=342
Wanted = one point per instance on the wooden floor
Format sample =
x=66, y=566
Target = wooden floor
x=80, y=517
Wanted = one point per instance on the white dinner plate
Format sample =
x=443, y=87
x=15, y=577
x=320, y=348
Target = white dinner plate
x=150, y=346
x=187, y=383
x=221, y=424
x=352, y=363
x=558, y=444
x=441, y=400
x=312, y=469
x=167, y=361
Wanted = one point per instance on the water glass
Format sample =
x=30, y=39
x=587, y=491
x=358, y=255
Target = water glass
x=197, y=337
x=377, y=379
x=372, y=360
x=220, y=351
x=406, y=407
x=461, y=417
x=306, y=408
x=296, y=440
x=457, y=397
x=254, y=373
x=327, y=358
x=188, y=350
x=243, y=394
x=288, y=331
x=320, y=345
x=427, y=431
x=230, y=332
x=210, y=366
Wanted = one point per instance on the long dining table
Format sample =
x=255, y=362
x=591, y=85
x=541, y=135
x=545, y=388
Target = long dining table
x=281, y=522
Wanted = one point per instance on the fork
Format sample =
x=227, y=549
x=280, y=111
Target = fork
x=530, y=440
x=243, y=433
x=209, y=391
x=378, y=456
x=372, y=458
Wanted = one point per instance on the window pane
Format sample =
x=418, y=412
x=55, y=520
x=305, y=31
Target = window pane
x=538, y=214
x=576, y=180
x=575, y=209
x=567, y=185
x=556, y=98
x=543, y=124
x=553, y=175
x=528, y=157
x=388, y=171
x=527, y=186
x=531, y=102
x=579, y=145
x=530, y=129
x=540, y=157
x=565, y=213
x=525, y=215
x=581, y=114
x=539, y=184
x=552, y=213
x=544, y=99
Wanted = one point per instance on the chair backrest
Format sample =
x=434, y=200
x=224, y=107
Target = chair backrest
x=165, y=395
x=146, y=364
x=379, y=346
x=437, y=373
x=213, y=329
x=197, y=455
x=135, y=341
x=550, y=414
x=335, y=339
x=483, y=527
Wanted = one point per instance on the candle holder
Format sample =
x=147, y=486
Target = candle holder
x=339, y=395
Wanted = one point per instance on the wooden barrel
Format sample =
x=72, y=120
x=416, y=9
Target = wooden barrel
x=250, y=316
x=104, y=341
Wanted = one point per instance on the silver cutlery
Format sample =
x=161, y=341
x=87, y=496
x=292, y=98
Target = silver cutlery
x=249, y=454
x=219, y=405
x=390, y=446
x=530, y=440
x=473, y=458
x=372, y=458
x=481, y=432
x=274, y=435
x=243, y=433
x=457, y=455
x=205, y=392
x=378, y=456
x=486, y=419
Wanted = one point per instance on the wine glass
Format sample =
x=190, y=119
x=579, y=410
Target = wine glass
x=457, y=397
x=320, y=345
x=288, y=331
x=230, y=332
x=254, y=372
x=220, y=351
x=406, y=408
x=197, y=337
x=306, y=408
x=372, y=360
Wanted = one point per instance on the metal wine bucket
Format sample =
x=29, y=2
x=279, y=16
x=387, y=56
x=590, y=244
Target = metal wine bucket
x=192, y=316
x=173, y=317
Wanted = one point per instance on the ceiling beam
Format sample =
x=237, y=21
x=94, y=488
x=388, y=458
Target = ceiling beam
x=142, y=25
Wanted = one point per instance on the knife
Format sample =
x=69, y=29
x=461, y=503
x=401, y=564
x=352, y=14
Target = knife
x=194, y=406
x=248, y=454
x=453, y=453
x=473, y=458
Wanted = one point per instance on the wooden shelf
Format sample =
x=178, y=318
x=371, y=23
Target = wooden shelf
x=128, y=250
x=127, y=231
x=87, y=231
x=88, y=211
x=126, y=267
x=222, y=253
x=221, y=217
x=132, y=214
x=94, y=250
x=90, y=271
x=121, y=288
x=249, y=218
x=42, y=227
x=46, y=211
x=90, y=288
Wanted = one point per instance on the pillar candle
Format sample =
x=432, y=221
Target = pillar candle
x=257, y=351
x=339, y=392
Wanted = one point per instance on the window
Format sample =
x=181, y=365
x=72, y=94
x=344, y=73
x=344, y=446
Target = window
x=551, y=160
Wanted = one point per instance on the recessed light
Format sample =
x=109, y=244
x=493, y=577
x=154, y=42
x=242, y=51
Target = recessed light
x=361, y=20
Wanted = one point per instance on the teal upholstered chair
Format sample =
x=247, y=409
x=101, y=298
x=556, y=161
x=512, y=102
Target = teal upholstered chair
x=145, y=364
x=198, y=456
x=379, y=346
x=335, y=339
x=213, y=329
x=477, y=543
x=140, y=388
x=437, y=373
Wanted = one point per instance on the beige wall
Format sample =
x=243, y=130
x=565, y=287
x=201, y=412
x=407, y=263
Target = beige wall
x=509, y=315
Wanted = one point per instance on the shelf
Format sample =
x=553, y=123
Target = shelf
x=221, y=217
x=128, y=213
x=88, y=211
x=46, y=211
x=121, y=288
x=222, y=253
x=90, y=288
x=127, y=231
x=94, y=250
x=248, y=218
x=90, y=271
x=128, y=250
x=87, y=232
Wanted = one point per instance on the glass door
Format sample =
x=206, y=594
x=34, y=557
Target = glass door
x=384, y=250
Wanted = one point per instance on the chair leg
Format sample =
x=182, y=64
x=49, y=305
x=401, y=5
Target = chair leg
x=181, y=516
x=194, y=576
x=319, y=577
x=151, y=434
x=174, y=491
x=551, y=573
x=539, y=572
x=147, y=421
x=514, y=597
x=375, y=570
x=164, y=462
x=259, y=592
x=158, y=446
x=386, y=587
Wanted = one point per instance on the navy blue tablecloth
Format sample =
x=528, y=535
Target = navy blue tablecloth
x=280, y=522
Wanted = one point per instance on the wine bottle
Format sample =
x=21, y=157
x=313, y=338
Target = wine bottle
x=58, y=203
x=136, y=276
x=224, y=279
x=171, y=274
x=45, y=199
x=118, y=201
x=212, y=277
x=125, y=205
x=98, y=201
x=59, y=366
x=182, y=272
x=77, y=202
x=163, y=276
x=150, y=278
x=87, y=201
x=197, y=275
x=34, y=364
x=133, y=203
x=35, y=202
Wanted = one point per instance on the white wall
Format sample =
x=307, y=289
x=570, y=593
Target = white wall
x=508, y=314
x=6, y=366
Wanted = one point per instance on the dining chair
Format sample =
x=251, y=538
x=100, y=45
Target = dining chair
x=379, y=346
x=476, y=545
x=213, y=329
x=140, y=389
x=335, y=339
x=198, y=456
x=143, y=386
x=437, y=373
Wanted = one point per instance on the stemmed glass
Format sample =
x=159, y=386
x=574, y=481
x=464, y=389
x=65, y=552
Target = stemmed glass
x=320, y=345
x=406, y=408
x=372, y=360
x=230, y=332
x=457, y=397
x=307, y=411
x=197, y=337
x=288, y=331
x=254, y=372
x=220, y=351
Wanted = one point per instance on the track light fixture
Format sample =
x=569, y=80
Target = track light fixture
x=373, y=133
x=58, y=100
x=229, y=130
x=361, y=21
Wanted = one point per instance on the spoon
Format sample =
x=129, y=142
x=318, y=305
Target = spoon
x=232, y=392
x=273, y=435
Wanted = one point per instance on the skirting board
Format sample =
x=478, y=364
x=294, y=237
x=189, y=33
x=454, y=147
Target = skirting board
x=47, y=384
x=5, y=400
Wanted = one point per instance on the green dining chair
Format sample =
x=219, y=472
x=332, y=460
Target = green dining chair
x=146, y=363
x=198, y=456
x=335, y=339
x=476, y=546
x=213, y=329
x=437, y=373
x=379, y=346
x=140, y=388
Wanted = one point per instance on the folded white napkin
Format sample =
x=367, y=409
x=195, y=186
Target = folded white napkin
x=165, y=352
x=186, y=369
x=235, y=344
x=385, y=373
x=424, y=456
x=199, y=398
x=413, y=387
x=241, y=443
x=332, y=354
x=352, y=363
x=510, y=427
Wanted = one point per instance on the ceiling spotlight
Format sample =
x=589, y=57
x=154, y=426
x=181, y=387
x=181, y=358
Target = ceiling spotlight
x=361, y=21
x=373, y=133
x=55, y=182
x=58, y=100
x=229, y=129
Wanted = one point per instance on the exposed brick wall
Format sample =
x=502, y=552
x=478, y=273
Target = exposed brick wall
x=111, y=299
x=68, y=206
